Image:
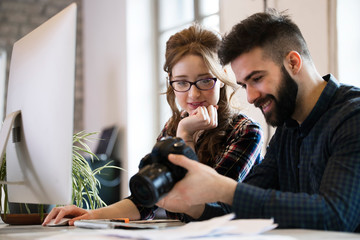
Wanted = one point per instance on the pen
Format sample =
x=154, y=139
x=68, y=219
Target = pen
x=124, y=220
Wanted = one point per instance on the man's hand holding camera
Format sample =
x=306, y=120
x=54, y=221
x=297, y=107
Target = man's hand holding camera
x=186, y=196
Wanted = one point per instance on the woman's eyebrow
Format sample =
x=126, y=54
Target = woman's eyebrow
x=180, y=76
x=199, y=75
x=204, y=75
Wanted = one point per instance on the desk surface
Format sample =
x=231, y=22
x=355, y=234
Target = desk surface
x=31, y=232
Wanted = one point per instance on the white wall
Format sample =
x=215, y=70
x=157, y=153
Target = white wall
x=142, y=95
x=349, y=41
x=311, y=17
x=2, y=101
x=104, y=64
x=118, y=76
x=2, y=83
x=105, y=68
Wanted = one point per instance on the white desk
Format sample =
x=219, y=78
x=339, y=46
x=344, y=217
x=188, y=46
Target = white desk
x=303, y=234
x=31, y=232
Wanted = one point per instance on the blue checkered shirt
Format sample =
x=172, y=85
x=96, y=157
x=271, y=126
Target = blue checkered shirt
x=310, y=175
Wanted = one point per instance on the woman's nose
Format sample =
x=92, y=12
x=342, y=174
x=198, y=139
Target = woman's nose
x=194, y=91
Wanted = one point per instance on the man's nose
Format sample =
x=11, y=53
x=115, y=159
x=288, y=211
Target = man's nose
x=252, y=94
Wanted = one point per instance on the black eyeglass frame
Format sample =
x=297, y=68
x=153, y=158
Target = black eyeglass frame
x=193, y=83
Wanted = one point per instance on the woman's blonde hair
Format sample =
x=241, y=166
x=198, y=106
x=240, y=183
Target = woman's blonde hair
x=198, y=41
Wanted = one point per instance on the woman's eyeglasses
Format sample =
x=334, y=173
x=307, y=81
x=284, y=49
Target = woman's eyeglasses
x=202, y=84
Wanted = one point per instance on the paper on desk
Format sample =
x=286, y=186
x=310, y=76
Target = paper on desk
x=220, y=226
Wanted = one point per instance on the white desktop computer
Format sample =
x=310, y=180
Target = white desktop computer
x=38, y=128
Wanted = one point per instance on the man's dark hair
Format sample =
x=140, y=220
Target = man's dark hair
x=272, y=31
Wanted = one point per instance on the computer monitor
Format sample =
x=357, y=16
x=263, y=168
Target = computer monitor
x=38, y=128
x=106, y=143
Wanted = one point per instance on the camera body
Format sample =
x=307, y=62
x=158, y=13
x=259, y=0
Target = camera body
x=157, y=175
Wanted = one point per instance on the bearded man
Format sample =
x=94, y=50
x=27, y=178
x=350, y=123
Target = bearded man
x=310, y=175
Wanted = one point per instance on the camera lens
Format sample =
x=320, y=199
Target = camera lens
x=143, y=191
x=151, y=183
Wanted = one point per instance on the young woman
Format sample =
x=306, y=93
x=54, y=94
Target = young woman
x=223, y=139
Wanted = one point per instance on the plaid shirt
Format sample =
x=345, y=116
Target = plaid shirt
x=241, y=151
x=310, y=176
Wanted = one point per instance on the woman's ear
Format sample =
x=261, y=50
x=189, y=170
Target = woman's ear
x=293, y=62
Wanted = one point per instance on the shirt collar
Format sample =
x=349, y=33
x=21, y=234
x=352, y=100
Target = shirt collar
x=320, y=107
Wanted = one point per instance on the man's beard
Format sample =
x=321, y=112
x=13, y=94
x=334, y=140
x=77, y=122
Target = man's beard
x=284, y=106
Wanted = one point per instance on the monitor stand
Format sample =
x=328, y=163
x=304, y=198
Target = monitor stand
x=14, y=119
x=5, y=133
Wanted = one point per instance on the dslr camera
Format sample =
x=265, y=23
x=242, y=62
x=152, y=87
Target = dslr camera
x=157, y=175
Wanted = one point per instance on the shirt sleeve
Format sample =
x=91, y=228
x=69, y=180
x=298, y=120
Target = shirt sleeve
x=242, y=150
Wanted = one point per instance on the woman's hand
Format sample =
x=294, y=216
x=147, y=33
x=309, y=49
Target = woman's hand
x=202, y=118
x=76, y=213
x=124, y=208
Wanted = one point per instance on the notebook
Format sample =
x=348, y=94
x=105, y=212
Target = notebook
x=141, y=224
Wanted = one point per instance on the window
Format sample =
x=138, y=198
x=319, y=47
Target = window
x=173, y=16
x=348, y=25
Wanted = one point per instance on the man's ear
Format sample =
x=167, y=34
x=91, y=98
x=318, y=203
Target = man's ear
x=221, y=84
x=293, y=62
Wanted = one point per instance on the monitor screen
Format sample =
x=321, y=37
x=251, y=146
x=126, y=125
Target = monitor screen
x=41, y=89
x=106, y=143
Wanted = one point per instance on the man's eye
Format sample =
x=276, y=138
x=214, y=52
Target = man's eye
x=256, y=79
x=242, y=85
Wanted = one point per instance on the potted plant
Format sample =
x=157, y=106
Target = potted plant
x=85, y=185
